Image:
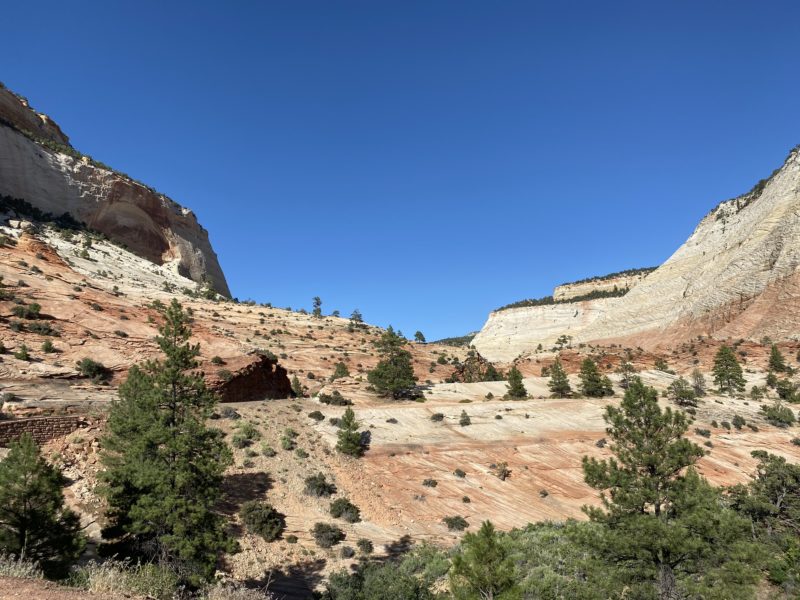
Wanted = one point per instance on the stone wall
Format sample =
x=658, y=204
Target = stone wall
x=43, y=429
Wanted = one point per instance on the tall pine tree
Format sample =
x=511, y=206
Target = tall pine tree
x=163, y=465
x=394, y=374
x=593, y=383
x=662, y=527
x=559, y=382
x=34, y=524
x=728, y=372
x=516, y=388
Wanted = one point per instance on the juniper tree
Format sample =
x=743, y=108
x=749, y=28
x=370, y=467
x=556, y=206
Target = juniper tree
x=297, y=387
x=593, y=383
x=681, y=393
x=317, y=307
x=419, y=337
x=34, y=523
x=728, y=372
x=340, y=371
x=163, y=465
x=483, y=567
x=776, y=361
x=559, y=382
x=664, y=530
x=698, y=383
x=515, y=387
x=349, y=438
x=394, y=374
x=626, y=372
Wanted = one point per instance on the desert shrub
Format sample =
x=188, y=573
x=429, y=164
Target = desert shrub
x=316, y=485
x=347, y=552
x=249, y=431
x=334, y=399
x=459, y=473
x=216, y=360
x=93, y=369
x=365, y=546
x=327, y=535
x=501, y=470
x=432, y=483
x=20, y=568
x=702, y=432
x=779, y=415
x=300, y=453
x=118, y=577
x=43, y=328
x=22, y=353
x=288, y=443
x=239, y=441
x=436, y=417
x=316, y=415
x=268, y=451
x=29, y=311
x=48, y=347
x=262, y=519
x=464, y=419
x=224, y=375
x=738, y=421
x=455, y=523
x=229, y=413
x=342, y=508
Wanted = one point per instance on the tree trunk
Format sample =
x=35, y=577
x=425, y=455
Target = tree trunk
x=667, y=589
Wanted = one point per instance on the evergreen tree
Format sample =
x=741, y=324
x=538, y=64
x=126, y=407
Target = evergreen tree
x=727, y=372
x=559, y=382
x=317, y=307
x=626, y=372
x=34, y=524
x=662, y=527
x=483, y=568
x=164, y=466
x=515, y=387
x=593, y=383
x=393, y=375
x=348, y=437
x=681, y=393
x=698, y=383
x=356, y=318
x=297, y=387
x=419, y=337
x=776, y=361
x=340, y=371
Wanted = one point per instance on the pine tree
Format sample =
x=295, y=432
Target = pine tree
x=593, y=383
x=776, y=361
x=681, y=393
x=297, y=387
x=483, y=567
x=727, y=372
x=419, y=337
x=317, y=307
x=515, y=387
x=393, y=375
x=339, y=371
x=698, y=383
x=348, y=437
x=34, y=524
x=661, y=524
x=626, y=372
x=559, y=382
x=164, y=466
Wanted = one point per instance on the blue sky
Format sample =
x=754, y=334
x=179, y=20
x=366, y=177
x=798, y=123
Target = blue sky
x=429, y=161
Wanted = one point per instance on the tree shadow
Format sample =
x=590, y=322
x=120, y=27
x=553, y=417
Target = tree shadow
x=397, y=549
x=238, y=488
x=294, y=582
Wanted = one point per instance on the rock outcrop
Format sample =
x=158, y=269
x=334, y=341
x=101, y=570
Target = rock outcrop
x=255, y=377
x=38, y=165
x=735, y=277
x=610, y=283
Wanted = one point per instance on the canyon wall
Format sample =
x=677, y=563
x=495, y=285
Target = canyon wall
x=38, y=165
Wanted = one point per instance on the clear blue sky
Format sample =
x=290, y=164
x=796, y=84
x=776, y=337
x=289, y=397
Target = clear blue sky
x=428, y=161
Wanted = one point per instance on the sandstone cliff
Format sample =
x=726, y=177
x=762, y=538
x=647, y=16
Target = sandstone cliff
x=735, y=277
x=38, y=165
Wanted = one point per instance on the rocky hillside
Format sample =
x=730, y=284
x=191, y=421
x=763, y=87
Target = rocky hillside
x=38, y=165
x=735, y=277
x=616, y=282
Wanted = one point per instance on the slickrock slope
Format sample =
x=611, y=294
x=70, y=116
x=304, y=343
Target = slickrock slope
x=38, y=165
x=510, y=332
x=735, y=277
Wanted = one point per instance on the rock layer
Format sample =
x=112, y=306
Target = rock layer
x=148, y=223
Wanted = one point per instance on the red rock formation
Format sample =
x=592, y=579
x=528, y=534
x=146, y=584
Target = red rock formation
x=252, y=377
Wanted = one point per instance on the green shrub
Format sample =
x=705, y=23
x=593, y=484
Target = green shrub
x=459, y=473
x=29, y=311
x=365, y=546
x=779, y=415
x=327, y=535
x=317, y=486
x=47, y=347
x=436, y=417
x=342, y=508
x=464, y=420
x=431, y=483
x=262, y=519
x=455, y=523
x=93, y=369
x=316, y=415
x=22, y=353
x=334, y=399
